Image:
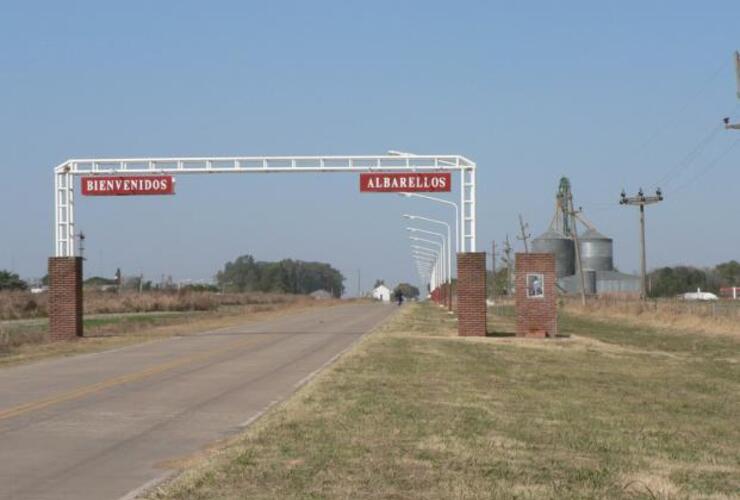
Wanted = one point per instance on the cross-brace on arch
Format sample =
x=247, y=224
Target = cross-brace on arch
x=64, y=198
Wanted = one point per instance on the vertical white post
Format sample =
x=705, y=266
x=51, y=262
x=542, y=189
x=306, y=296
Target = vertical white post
x=443, y=262
x=449, y=256
x=70, y=215
x=57, y=245
x=64, y=218
x=473, y=223
x=463, y=230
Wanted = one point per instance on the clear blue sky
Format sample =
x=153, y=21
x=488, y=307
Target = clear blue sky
x=611, y=95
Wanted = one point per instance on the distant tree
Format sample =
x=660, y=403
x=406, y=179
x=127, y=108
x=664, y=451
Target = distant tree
x=728, y=273
x=672, y=281
x=99, y=281
x=408, y=291
x=286, y=276
x=11, y=281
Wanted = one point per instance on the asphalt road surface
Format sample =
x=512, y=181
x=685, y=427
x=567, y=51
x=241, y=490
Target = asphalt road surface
x=104, y=425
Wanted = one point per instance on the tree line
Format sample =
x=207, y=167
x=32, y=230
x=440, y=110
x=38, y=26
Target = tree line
x=671, y=281
x=245, y=274
x=662, y=282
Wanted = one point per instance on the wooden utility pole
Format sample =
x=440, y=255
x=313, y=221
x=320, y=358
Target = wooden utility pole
x=574, y=234
x=736, y=56
x=493, y=270
x=524, y=236
x=641, y=200
x=509, y=264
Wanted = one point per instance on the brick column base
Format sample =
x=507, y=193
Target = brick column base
x=65, y=298
x=471, y=294
x=536, y=315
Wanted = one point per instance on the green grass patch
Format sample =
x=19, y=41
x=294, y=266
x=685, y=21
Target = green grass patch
x=415, y=412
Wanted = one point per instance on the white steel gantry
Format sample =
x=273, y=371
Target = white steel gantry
x=64, y=227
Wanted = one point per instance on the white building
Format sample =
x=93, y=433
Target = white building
x=382, y=293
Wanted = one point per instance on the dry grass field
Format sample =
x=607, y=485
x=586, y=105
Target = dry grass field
x=611, y=411
x=25, y=305
x=113, y=320
x=706, y=317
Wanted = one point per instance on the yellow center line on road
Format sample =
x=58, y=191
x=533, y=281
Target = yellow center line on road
x=116, y=381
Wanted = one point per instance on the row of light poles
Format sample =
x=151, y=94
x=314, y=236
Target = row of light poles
x=433, y=268
x=434, y=264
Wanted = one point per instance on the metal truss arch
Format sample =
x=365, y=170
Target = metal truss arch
x=65, y=172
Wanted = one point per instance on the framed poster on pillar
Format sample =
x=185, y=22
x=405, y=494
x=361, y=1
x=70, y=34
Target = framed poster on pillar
x=535, y=285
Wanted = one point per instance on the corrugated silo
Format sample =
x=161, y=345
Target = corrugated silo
x=565, y=251
x=596, y=251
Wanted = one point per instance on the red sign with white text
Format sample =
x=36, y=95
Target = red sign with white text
x=128, y=185
x=436, y=182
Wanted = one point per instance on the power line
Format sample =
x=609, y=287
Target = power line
x=709, y=166
x=670, y=122
x=676, y=170
x=687, y=160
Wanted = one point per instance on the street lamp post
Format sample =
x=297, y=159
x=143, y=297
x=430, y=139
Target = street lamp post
x=428, y=263
x=424, y=254
x=440, y=244
x=441, y=260
x=445, y=202
x=430, y=257
x=449, y=252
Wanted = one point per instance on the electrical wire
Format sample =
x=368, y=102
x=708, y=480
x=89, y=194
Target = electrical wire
x=709, y=166
x=668, y=123
x=674, y=172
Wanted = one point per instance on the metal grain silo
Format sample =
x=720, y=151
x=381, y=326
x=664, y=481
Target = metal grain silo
x=563, y=248
x=596, y=251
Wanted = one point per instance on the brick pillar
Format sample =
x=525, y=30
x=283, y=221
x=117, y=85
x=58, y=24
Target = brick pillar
x=471, y=294
x=536, y=315
x=65, y=298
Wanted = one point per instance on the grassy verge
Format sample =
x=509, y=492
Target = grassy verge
x=27, y=340
x=415, y=412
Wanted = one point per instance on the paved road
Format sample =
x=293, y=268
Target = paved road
x=101, y=425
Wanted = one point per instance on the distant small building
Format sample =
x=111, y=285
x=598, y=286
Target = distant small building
x=321, y=295
x=382, y=293
x=699, y=295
